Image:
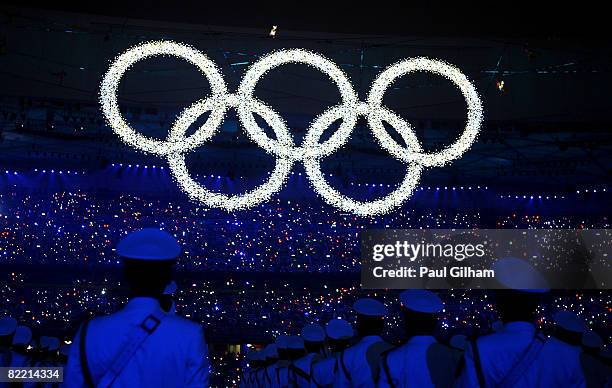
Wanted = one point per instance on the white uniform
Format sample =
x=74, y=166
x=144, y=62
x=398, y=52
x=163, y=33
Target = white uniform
x=301, y=368
x=282, y=374
x=358, y=365
x=323, y=372
x=174, y=355
x=557, y=364
x=411, y=365
x=6, y=359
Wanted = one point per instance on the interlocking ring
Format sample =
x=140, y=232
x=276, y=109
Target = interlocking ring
x=310, y=153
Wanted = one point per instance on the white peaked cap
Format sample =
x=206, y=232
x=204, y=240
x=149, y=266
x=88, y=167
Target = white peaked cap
x=370, y=307
x=421, y=301
x=570, y=321
x=23, y=335
x=281, y=341
x=295, y=342
x=270, y=351
x=518, y=274
x=313, y=333
x=591, y=339
x=8, y=325
x=149, y=244
x=49, y=343
x=339, y=329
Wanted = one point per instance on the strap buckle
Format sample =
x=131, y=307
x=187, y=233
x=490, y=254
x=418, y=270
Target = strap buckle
x=150, y=323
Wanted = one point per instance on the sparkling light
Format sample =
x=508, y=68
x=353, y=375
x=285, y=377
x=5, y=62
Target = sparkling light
x=287, y=153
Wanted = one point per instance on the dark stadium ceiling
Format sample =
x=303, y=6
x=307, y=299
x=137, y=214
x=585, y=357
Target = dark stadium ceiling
x=551, y=118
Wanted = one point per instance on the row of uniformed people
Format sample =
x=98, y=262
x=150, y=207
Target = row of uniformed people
x=516, y=354
x=19, y=349
x=145, y=344
x=303, y=362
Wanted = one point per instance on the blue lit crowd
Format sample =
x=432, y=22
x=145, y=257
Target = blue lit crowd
x=67, y=231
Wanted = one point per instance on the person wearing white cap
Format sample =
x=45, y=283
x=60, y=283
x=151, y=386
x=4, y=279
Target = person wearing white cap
x=314, y=341
x=592, y=342
x=141, y=345
x=256, y=360
x=359, y=364
x=267, y=374
x=295, y=351
x=596, y=372
x=282, y=365
x=64, y=352
x=339, y=333
x=21, y=341
x=421, y=361
x=518, y=355
x=8, y=326
x=569, y=327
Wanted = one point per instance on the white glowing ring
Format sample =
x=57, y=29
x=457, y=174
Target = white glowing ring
x=112, y=112
x=333, y=197
x=474, y=111
x=260, y=194
x=347, y=107
x=311, y=152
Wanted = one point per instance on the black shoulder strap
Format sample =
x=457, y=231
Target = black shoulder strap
x=298, y=371
x=385, y=363
x=267, y=376
x=312, y=376
x=83, y=355
x=344, y=369
x=477, y=364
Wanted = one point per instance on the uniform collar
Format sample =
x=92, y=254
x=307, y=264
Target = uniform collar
x=142, y=303
x=422, y=339
x=519, y=326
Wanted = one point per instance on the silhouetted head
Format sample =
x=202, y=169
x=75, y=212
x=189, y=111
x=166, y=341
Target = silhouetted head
x=281, y=345
x=370, y=317
x=514, y=305
x=8, y=326
x=419, y=323
x=522, y=286
x=592, y=343
x=283, y=354
x=314, y=338
x=567, y=336
x=295, y=347
x=368, y=325
x=313, y=347
x=148, y=256
x=295, y=354
x=338, y=345
x=339, y=332
x=147, y=278
x=569, y=327
x=420, y=309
